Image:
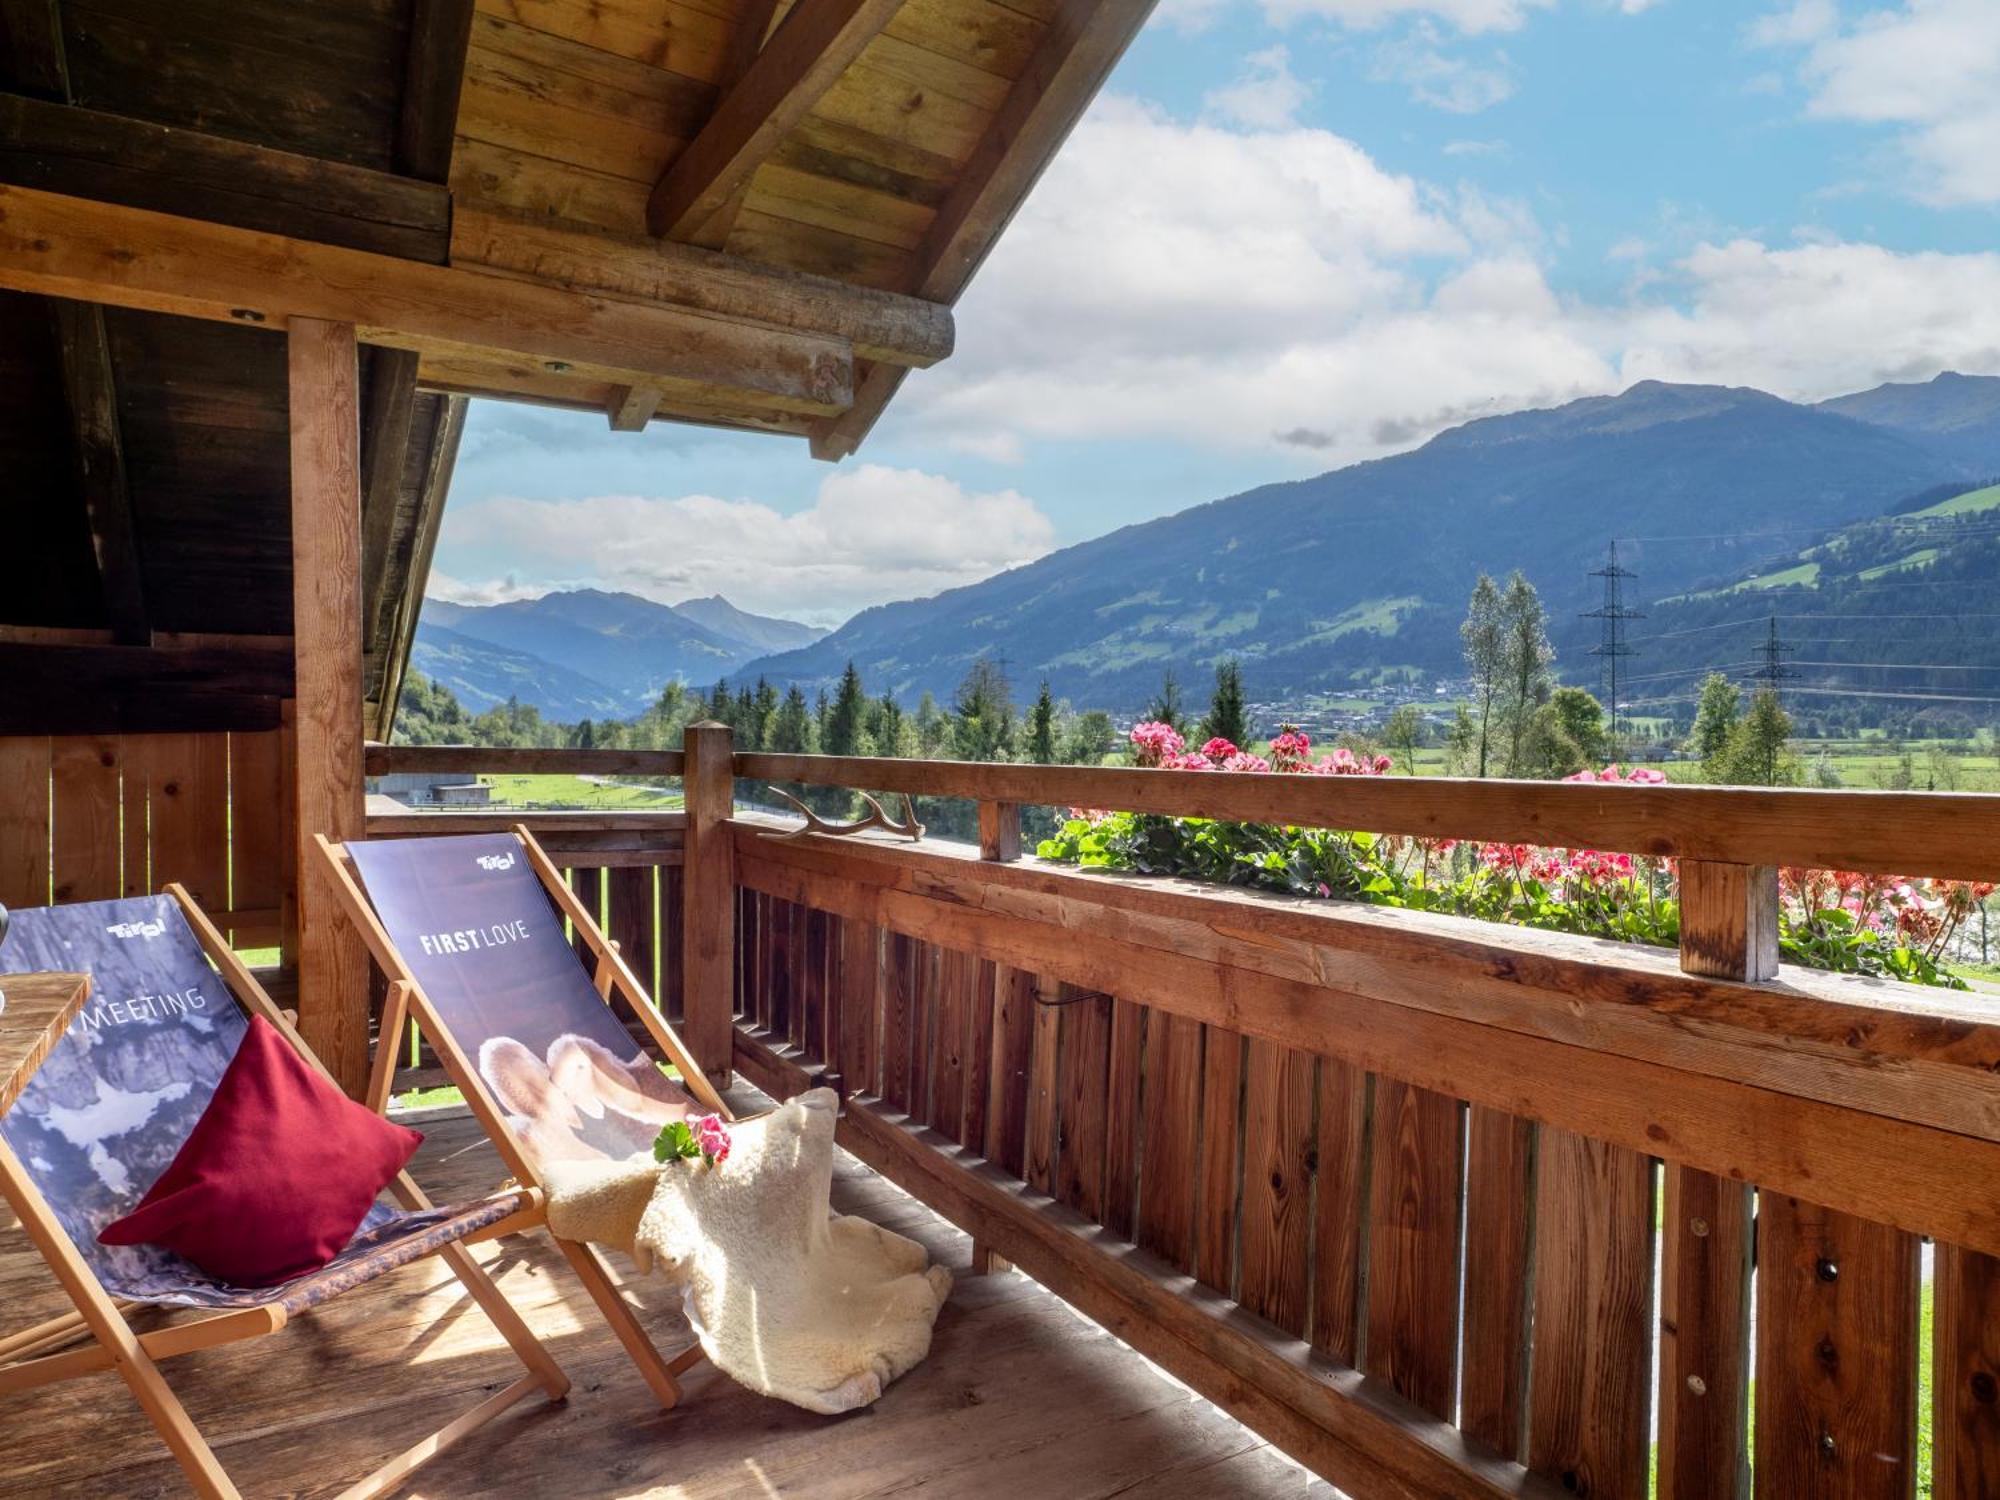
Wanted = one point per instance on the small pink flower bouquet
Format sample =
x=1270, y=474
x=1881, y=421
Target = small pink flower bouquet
x=704, y=1136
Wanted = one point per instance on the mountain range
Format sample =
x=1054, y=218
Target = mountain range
x=586, y=653
x=1353, y=578
x=1360, y=575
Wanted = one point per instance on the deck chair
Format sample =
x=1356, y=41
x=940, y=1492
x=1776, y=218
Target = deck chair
x=108, y=1111
x=469, y=930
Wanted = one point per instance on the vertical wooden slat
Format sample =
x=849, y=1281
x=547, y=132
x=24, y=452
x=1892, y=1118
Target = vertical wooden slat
x=673, y=933
x=983, y=974
x=809, y=1015
x=256, y=824
x=188, y=797
x=860, y=998
x=1413, y=1221
x=787, y=968
x=1588, y=1415
x=1729, y=919
x=1836, y=1354
x=923, y=1027
x=1493, y=1388
x=1340, y=1206
x=1081, y=1103
x=634, y=918
x=1278, y=1149
x=1121, y=1119
x=1704, y=1336
x=1966, y=1411
x=1169, y=1155
x=950, y=1009
x=708, y=897
x=1039, y=1141
x=325, y=419
x=24, y=820
x=1013, y=1051
x=1218, y=1193
x=899, y=1004
x=749, y=944
x=588, y=883
x=86, y=839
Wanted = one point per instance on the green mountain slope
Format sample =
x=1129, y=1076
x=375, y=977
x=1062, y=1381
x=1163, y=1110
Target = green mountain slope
x=1363, y=572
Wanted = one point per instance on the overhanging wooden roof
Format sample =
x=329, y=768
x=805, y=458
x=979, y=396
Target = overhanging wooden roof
x=746, y=213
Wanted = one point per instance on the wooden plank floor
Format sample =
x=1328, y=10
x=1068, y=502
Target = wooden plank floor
x=1019, y=1397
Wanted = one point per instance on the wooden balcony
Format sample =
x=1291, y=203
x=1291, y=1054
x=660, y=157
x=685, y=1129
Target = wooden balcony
x=1434, y=1207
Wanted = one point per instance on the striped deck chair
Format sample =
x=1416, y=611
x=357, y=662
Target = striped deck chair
x=469, y=930
x=108, y=1111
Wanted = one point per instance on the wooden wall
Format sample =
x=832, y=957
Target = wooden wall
x=89, y=818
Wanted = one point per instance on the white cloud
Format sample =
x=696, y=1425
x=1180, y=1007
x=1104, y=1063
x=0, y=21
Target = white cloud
x=872, y=535
x=1266, y=95
x=1440, y=78
x=1278, y=290
x=1931, y=67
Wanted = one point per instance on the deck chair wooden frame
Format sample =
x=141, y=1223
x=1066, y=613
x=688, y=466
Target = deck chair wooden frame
x=39, y=1356
x=611, y=975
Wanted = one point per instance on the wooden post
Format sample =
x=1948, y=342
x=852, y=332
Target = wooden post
x=1729, y=930
x=326, y=629
x=1000, y=831
x=1729, y=920
x=999, y=840
x=708, y=919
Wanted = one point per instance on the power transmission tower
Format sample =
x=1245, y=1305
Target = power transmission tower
x=1771, y=668
x=1613, y=648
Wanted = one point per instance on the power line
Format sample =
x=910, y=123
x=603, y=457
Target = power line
x=1772, y=653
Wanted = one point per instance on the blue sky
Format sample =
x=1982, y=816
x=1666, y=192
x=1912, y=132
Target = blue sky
x=1295, y=234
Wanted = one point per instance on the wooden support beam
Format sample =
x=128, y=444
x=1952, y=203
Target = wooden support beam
x=326, y=608
x=753, y=29
x=885, y=326
x=385, y=447
x=433, y=76
x=142, y=164
x=804, y=58
x=430, y=518
x=632, y=407
x=71, y=247
x=1083, y=42
x=84, y=356
x=708, y=912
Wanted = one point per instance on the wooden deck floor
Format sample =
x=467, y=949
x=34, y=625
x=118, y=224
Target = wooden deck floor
x=1020, y=1398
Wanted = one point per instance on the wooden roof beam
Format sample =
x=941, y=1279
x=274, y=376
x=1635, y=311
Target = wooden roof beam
x=433, y=76
x=804, y=57
x=84, y=356
x=405, y=608
x=32, y=60
x=385, y=446
x=72, y=247
x=1083, y=43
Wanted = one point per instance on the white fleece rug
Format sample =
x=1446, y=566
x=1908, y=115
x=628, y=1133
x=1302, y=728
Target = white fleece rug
x=787, y=1298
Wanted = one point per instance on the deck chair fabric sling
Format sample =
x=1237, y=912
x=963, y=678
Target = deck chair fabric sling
x=469, y=930
x=106, y=1114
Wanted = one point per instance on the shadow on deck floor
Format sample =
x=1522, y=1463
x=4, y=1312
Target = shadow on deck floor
x=1020, y=1397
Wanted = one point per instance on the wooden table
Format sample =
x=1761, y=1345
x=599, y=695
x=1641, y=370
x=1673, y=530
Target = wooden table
x=35, y=1010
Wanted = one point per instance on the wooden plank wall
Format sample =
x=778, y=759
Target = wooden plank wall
x=1493, y=1277
x=90, y=818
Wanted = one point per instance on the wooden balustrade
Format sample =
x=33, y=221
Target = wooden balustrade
x=1394, y=1187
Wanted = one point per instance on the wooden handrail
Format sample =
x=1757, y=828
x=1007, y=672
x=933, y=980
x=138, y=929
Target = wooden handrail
x=1954, y=835
x=387, y=760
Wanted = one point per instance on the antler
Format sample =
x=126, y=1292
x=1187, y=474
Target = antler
x=909, y=828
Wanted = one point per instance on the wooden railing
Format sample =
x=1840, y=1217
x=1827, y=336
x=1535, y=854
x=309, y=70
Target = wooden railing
x=1384, y=1184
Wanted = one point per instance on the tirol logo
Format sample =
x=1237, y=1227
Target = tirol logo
x=146, y=930
x=496, y=861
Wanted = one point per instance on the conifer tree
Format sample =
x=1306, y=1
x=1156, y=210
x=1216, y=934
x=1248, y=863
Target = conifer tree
x=1227, y=719
x=1042, y=728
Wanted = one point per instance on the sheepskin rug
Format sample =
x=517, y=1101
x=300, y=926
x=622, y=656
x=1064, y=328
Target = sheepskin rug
x=789, y=1299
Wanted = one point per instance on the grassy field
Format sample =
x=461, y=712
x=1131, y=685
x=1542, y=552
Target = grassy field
x=1966, y=504
x=551, y=791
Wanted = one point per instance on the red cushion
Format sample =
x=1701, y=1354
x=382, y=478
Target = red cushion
x=276, y=1175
